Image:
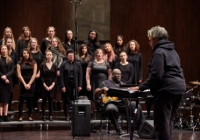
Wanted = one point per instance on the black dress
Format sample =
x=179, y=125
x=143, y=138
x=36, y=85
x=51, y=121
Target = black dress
x=127, y=72
x=21, y=44
x=114, y=62
x=14, y=57
x=1, y=42
x=67, y=46
x=7, y=70
x=48, y=76
x=84, y=65
x=136, y=61
x=92, y=47
x=44, y=45
x=38, y=58
x=99, y=73
x=118, y=50
x=26, y=72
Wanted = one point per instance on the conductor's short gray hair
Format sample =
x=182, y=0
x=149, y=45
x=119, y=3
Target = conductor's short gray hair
x=157, y=32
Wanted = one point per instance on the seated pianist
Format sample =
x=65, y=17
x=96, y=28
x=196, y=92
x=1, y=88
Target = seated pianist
x=112, y=108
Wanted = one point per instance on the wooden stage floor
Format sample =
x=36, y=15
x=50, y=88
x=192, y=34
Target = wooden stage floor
x=64, y=133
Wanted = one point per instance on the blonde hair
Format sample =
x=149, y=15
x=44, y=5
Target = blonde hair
x=105, y=54
x=7, y=41
x=29, y=45
x=97, y=50
x=12, y=37
x=8, y=59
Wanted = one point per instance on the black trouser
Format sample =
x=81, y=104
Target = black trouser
x=28, y=103
x=68, y=96
x=149, y=102
x=50, y=102
x=113, y=109
x=165, y=108
x=36, y=93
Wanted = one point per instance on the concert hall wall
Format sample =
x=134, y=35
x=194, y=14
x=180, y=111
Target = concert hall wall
x=132, y=19
x=36, y=14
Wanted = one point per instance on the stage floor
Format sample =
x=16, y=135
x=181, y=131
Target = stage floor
x=56, y=134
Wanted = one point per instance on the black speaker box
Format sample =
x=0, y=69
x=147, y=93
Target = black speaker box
x=81, y=118
x=147, y=130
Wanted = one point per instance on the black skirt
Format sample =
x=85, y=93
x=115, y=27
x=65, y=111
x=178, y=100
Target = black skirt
x=23, y=91
x=4, y=92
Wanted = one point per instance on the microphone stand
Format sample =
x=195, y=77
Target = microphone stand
x=77, y=3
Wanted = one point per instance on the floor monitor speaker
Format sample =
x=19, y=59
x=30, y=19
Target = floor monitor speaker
x=147, y=130
x=81, y=118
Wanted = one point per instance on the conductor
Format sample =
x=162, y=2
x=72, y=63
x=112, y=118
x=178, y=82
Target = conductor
x=165, y=80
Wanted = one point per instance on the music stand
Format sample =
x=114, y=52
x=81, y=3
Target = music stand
x=131, y=125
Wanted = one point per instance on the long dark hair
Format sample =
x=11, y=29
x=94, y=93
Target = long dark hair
x=116, y=45
x=66, y=39
x=30, y=58
x=95, y=41
x=87, y=56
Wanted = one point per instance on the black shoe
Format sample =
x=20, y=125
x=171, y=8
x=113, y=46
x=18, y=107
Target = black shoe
x=92, y=129
x=43, y=118
x=120, y=132
x=50, y=118
x=6, y=119
x=149, y=118
x=66, y=118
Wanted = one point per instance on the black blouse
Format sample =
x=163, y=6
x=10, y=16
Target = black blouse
x=44, y=45
x=21, y=44
x=38, y=58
